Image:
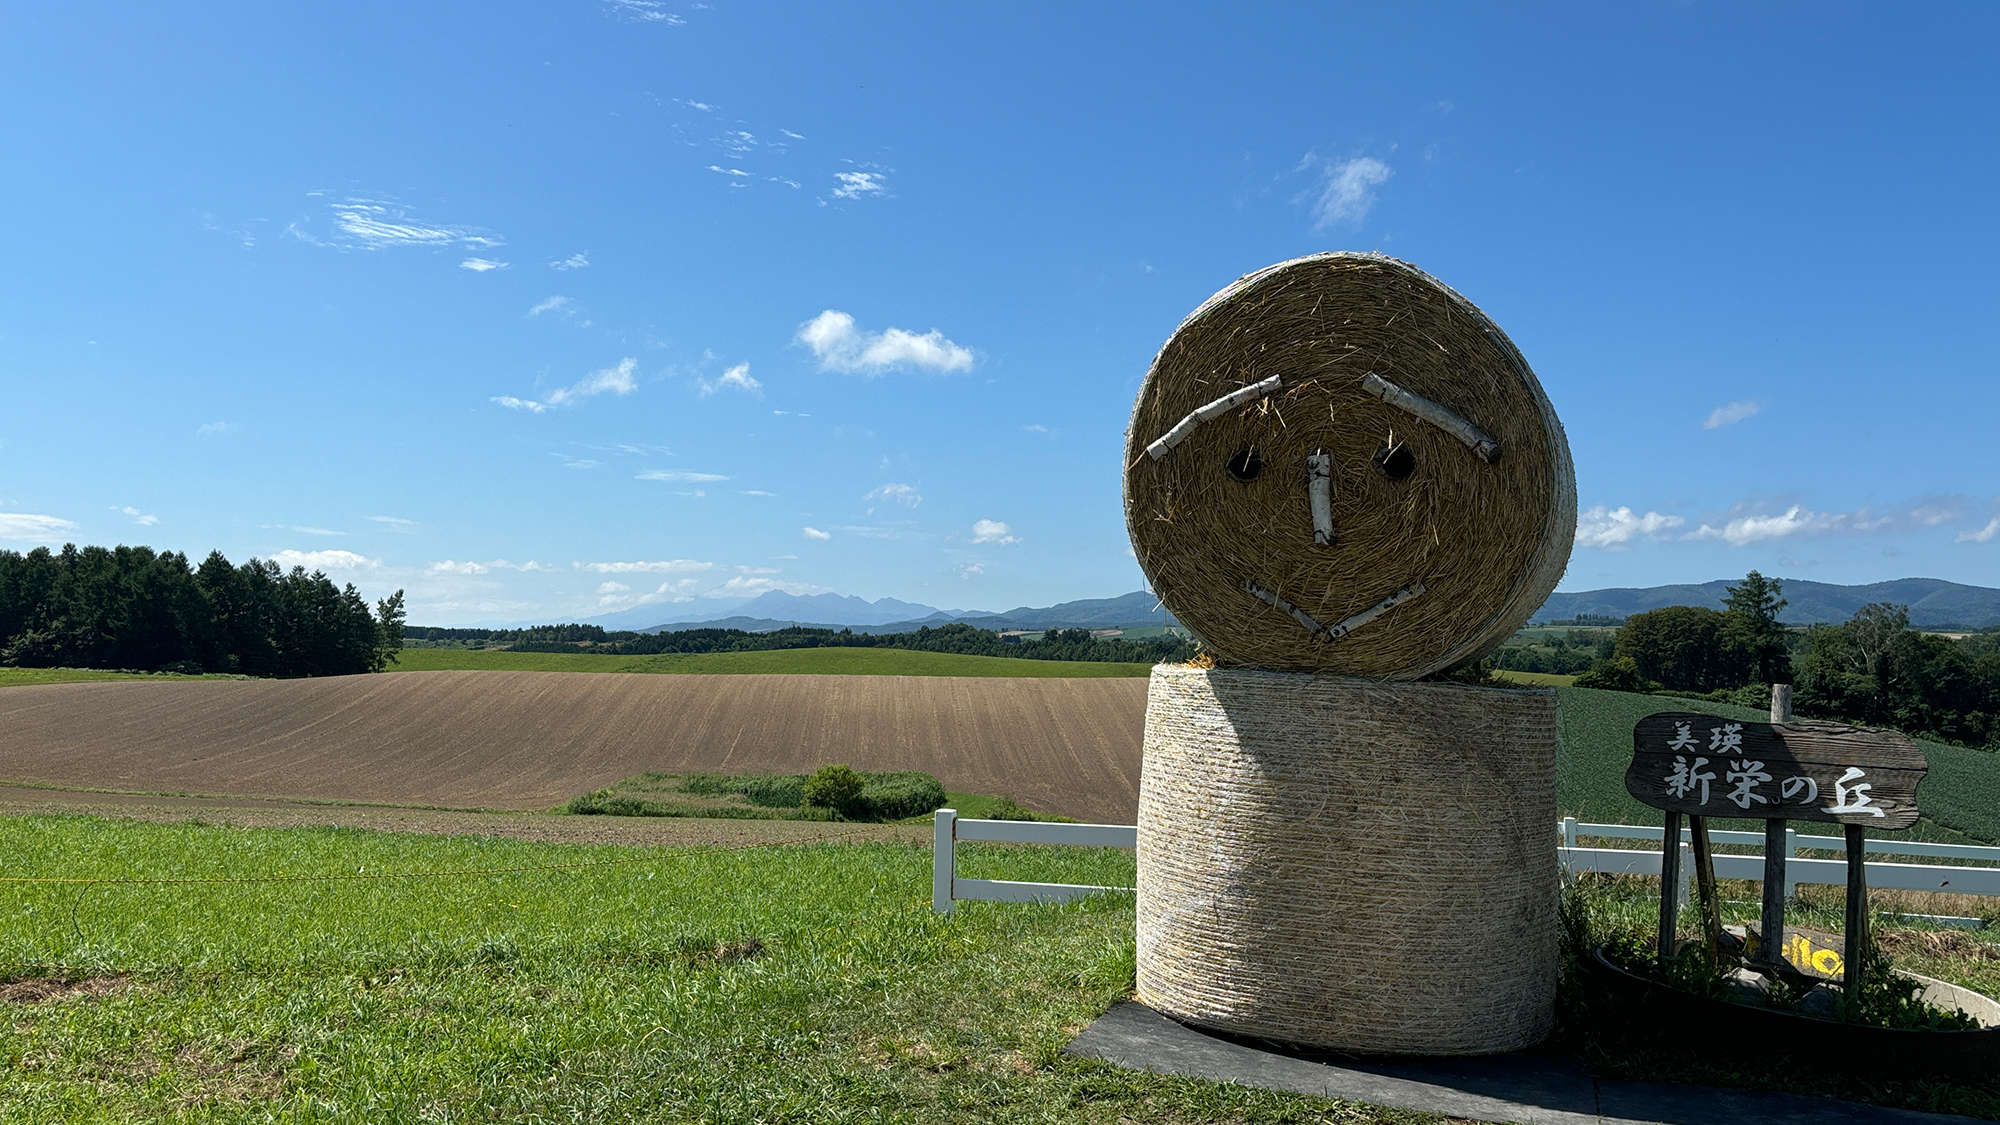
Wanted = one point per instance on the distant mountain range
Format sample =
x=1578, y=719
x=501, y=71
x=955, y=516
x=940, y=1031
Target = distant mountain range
x=777, y=610
x=1933, y=602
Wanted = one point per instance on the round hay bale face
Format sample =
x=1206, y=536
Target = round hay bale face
x=1350, y=865
x=1340, y=464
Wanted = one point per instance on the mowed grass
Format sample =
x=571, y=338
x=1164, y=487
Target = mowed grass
x=1536, y=679
x=1960, y=797
x=780, y=984
x=810, y=661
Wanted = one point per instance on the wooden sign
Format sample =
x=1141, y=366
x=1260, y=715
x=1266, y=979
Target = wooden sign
x=1817, y=954
x=1702, y=765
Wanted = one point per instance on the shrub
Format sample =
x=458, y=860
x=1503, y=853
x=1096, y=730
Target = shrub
x=894, y=796
x=1620, y=673
x=836, y=787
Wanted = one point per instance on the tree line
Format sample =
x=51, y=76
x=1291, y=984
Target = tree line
x=1874, y=669
x=962, y=639
x=145, y=610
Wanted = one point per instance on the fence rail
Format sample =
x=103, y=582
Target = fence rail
x=947, y=887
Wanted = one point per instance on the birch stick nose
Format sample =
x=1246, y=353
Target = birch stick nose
x=1319, y=487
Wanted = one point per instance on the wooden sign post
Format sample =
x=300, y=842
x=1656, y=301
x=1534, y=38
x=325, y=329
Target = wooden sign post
x=1697, y=765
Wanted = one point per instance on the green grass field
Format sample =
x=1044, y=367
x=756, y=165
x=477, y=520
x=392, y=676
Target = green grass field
x=794, y=984
x=10, y=677
x=820, y=661
x=1960, y=797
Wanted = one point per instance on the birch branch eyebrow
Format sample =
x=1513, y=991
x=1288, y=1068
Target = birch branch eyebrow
x=1474, y=438
x=1209, y=413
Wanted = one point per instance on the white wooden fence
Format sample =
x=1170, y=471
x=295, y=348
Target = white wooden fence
x=947, y=887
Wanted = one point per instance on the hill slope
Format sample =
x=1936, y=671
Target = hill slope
x=1933, y=602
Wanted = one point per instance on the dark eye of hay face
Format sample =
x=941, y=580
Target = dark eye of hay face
x=1412, y=504
x=1245, y=465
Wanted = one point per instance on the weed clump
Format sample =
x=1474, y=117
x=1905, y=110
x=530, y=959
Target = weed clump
x=836, y=787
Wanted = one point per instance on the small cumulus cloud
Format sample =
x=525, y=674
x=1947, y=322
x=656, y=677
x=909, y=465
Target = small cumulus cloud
x=449, y=566
x=859, y=185
x=904, y=494
x=1348, y=192
x=324, y=560
x=1613, y=529
x=736, y=378
x=612, y=380
x=481, y=265
x=816, y=533
x=573, y=262
x=1745, y=524
x=840, y=346
x=993, y=531
x=29, y=528
x=1983, y=535
x=208, y=428
x=138, y=517
x=553, y=304
x=1729, y=415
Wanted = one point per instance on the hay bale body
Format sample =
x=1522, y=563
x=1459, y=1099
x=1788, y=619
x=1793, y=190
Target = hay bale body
x=1483, y=533
x=1352, y=865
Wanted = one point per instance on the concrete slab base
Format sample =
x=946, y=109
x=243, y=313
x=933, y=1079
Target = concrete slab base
x=1528, y=1087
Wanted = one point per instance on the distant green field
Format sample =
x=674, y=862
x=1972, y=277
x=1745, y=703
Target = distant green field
x=1539, y=679
x=1960, y=797
x=814, y=661
x=11, y=677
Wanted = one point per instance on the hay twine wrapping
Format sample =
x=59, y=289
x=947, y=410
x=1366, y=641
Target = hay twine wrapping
x=1351, y=865
x=1486, y=541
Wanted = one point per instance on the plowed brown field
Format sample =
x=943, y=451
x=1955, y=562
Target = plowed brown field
x=518, y=740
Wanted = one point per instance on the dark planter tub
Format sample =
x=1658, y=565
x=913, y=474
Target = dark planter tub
x=1857, y=1048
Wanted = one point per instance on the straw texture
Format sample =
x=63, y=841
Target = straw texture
x=1352, y=865
x=1487, y=542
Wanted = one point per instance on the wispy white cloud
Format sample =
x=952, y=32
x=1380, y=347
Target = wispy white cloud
x=794, y=136
x=27, y=528
x=1983, y=535
x=662, y=566
x=746, y=586
x=575, y=261
x=993, y=531
x=1348, y=191
x=469, y=568
x=552, y=304
x=1612, y=529
x=643, y=11
x=481, y=265
x=840, y=346
x=208, y=428
x=612, y=380
x=324, y=560
x=138, y=517
x=859, y=185
x=728, y=171
x=753, y=492
x=396, y=524
x=1730, y=415
x=313, y=530
x=904, y=494
x=1746, y=524
x=816, y=533
x=378, y=224
x=736, y=378
x=678, y=476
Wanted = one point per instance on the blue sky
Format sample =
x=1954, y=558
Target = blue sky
x=546, y=311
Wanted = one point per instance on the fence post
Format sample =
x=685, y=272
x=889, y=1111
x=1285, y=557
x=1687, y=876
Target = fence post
x=1791, y=853
x=944, y=860
x=1569, y=831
